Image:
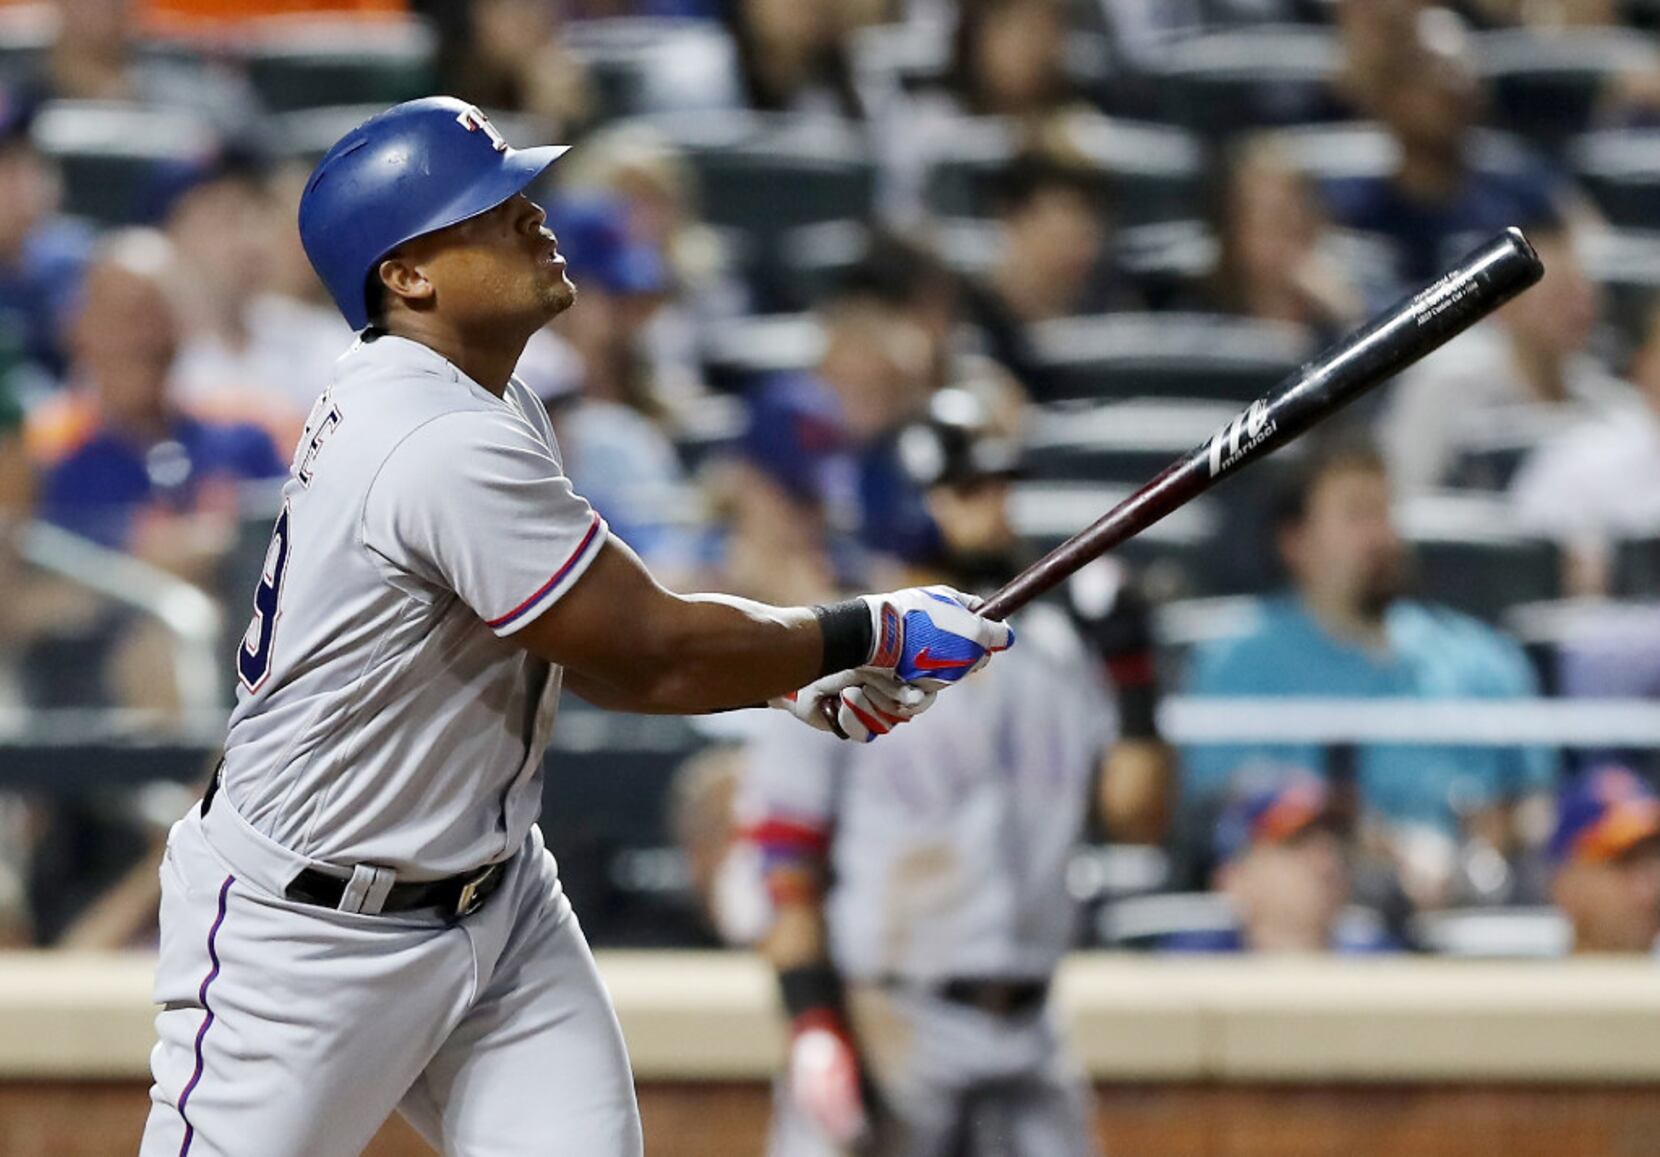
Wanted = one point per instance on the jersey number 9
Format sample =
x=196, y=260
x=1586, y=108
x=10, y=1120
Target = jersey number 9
x=253, y=658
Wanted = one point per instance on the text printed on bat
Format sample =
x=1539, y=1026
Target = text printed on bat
x=1239, y=437
x=1442, y=296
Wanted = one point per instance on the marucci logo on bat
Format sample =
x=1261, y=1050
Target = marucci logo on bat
x=1239, y=437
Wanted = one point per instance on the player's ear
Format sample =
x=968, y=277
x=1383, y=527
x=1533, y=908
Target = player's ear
x=404, y=279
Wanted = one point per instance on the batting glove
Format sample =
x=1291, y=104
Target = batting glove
x=824, y=1077
x=931, y=636
x=867, y=705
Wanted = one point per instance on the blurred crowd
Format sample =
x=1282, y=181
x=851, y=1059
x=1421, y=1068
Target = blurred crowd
x=869, y=291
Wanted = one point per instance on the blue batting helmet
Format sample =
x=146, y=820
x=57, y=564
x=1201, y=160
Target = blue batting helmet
x=415, y=168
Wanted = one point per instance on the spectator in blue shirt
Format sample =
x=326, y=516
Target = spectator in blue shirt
x=1451, y=188
x=1283, y=863
x=118, y=460
x=1345, y=630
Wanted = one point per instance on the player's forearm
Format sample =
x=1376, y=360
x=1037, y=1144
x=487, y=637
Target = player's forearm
x=635, y=646
x=712, y=653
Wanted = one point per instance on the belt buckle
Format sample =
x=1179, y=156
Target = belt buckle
x=470, y=901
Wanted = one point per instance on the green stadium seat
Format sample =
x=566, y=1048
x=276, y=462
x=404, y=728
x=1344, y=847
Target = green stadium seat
x=1224, y=82
x=112, y=155
x=639, y=65
x=1546, y=88
x=1620, y=168
x=1156, y=172
x=761, y=175
x=1174, y=355
x=330, y=62
x=1469, y=556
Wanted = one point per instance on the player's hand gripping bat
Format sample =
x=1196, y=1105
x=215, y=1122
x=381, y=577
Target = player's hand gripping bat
x=1400, y=336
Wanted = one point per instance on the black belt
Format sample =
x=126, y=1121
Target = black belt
x=457, y=896
x=998, y=997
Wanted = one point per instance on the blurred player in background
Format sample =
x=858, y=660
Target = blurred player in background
x=919, y=895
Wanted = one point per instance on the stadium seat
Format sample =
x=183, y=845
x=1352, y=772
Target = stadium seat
x=1120, y=442
x=1221, y=82
x=1620, y=168
x=1156, y=172
x=332, y=62
x=1636, y=572
x=1547, y=87
x=1470, y=557
x=641, y=65
x=114, y=157
x=761, y=175
x=1153, y=257
x=1519, y=933
x=1119, y=356
x=1173, y=555
x=1626, y=264
x=736, y=352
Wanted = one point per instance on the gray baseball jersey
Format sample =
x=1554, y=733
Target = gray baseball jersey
x=383, y=716
x=386, y=724
x=950, y=837
x=949, y=842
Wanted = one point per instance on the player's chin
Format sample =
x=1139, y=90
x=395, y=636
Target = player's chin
x=557, y=294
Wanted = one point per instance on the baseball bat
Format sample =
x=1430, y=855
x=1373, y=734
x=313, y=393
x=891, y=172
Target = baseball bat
x=1413, y=327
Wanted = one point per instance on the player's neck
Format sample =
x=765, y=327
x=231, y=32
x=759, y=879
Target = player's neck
x=489, y=361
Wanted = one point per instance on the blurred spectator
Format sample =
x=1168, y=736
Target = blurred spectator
x=637, y=166
x=1450, y=189
x=1008, y=59
x=1599, y=480
x=508, y=56
x=42, y=254
x=1056, y=232
x=1376, y=35
x=1521, y=376
x=1271, y=266
x=611, y=432
x=1282, y=863
x=1606, y=853
x=1346, y=630
x=120, y=461
x=95, y=57
x=249, y=351
x=794, y=56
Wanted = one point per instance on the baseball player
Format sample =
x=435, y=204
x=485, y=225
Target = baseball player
x=360, y=915
x=918, y=888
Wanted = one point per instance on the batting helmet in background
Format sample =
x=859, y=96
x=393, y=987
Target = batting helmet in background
x=415, y=168
x=956, y=443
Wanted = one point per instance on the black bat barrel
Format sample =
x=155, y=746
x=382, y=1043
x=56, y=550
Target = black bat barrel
x=1412, y=328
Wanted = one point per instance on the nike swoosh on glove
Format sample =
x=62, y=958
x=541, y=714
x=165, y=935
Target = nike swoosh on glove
x=867, y=705
x=931, y=636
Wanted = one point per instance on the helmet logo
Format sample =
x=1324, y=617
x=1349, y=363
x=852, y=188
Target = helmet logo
x=474, y=121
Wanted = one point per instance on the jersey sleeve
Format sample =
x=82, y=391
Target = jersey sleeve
x=476, y=502
x=786, y=799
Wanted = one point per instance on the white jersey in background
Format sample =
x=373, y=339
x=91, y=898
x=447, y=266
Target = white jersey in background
x=949, y=841
x=383, y=716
